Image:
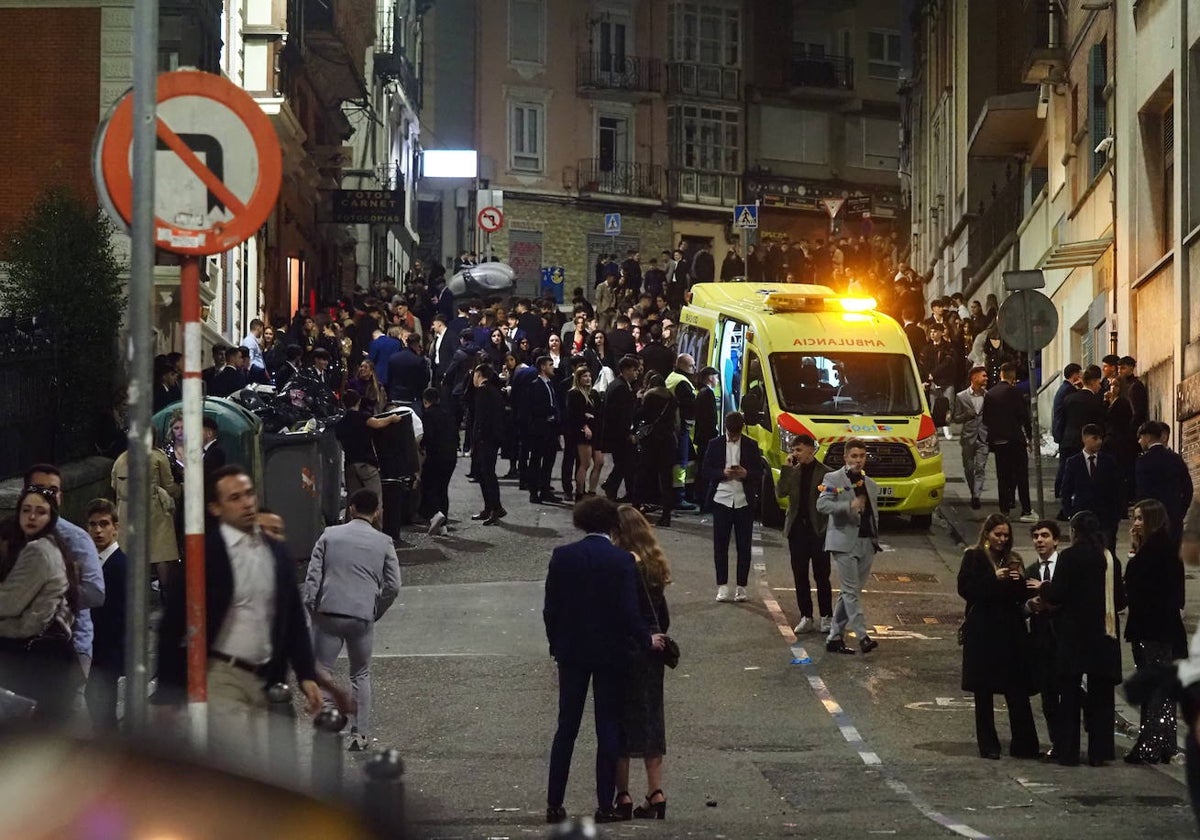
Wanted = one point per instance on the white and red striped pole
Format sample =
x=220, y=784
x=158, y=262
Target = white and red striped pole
x=193, y=502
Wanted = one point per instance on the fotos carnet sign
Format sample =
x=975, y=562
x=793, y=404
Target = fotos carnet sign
x=366, y=207
x=218, y=164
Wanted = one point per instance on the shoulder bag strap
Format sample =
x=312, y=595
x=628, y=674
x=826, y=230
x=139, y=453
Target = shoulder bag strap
x=649, y=598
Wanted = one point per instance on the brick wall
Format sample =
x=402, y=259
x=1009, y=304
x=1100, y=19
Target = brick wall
x=49, y=101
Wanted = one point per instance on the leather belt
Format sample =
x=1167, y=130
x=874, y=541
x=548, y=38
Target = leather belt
x=240, y=664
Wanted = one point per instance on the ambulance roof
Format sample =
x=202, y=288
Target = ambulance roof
x=802, y=331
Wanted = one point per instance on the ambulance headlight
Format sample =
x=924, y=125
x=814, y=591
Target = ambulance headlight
x=928, y=447
x=785, y=440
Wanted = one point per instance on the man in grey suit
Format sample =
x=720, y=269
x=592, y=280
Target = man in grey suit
x=804, y=529
x=968, y=410
x=353, y=577
x=851, y=501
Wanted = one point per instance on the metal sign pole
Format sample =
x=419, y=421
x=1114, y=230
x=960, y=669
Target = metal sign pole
x=139, y=358
x=193, y=501
x=1033, y=407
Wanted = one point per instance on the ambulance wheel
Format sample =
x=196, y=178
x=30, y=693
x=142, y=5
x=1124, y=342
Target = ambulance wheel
x=771, y=513
x=922, y=521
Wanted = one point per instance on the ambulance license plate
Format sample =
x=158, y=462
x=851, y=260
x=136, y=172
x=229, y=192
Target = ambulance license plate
x=887, y=491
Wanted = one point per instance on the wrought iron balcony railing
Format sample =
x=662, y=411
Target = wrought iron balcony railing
x=636, y=180
x=825, y=71
x=606, y=71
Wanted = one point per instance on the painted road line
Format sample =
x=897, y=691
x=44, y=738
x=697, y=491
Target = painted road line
x=842, y=720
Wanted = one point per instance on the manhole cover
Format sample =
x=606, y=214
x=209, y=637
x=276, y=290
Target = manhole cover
x=920, y=620
x=903, y=577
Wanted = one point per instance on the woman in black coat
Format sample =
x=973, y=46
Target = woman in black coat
x=997, y=654
x=1154, y=586
x=1088, y=592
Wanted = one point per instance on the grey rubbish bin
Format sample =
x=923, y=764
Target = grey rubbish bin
x=292, y=475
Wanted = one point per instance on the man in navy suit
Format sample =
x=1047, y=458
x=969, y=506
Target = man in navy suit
x=545, y=418
x=1161, y=474
x=1092, y=481
x=592, y=617
x=108, y=645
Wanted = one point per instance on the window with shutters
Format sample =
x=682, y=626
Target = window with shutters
x=883, y=50
x=1168, y=179
x=526, y=122
x=1098, y=104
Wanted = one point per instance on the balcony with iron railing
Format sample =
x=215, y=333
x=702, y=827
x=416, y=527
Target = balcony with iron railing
x=704, y=80
x=834, y=72
x=1042, y=41
x=621, y=178
x=618, y=72
x=694, y=186
x=391, y=62
x=996, y=222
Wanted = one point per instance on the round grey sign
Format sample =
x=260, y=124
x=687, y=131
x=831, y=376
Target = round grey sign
x=1028, y=320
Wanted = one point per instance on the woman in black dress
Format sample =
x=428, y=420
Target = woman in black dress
x=581, y=431
x=643, y=723
x=997, y=654
x=1088, y=592
x=1154, y=586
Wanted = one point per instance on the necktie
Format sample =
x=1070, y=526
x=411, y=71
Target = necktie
x=1045, y=570
x=1091, y=466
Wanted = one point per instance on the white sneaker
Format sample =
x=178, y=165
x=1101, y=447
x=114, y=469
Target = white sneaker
x=436, y=524
x=722, y=593
x=826, y=623
x=739, y=594
x=805, y=626
x=1029, y=517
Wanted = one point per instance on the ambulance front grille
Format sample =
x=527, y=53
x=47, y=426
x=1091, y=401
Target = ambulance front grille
x=884, y=460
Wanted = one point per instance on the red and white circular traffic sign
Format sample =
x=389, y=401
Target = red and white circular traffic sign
x=217, y=169
x=490, y=219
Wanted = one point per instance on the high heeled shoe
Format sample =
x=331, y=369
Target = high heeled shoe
x=652, y=810
x=625, y=809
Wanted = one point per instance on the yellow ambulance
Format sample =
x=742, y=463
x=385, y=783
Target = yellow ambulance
x=800, y=359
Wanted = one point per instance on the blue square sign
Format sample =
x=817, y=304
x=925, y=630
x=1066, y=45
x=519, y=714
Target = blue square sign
x=612, y=224
x=745, y=216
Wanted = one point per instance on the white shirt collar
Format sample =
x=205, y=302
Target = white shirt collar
x=108, y=552
x=602, y=536
x=1052, y=559
x=234, y=536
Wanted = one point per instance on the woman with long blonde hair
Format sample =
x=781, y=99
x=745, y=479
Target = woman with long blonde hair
x=643, y=722
x=582, y=432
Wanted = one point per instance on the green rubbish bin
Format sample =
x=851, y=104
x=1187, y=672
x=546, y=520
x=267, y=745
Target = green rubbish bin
x=292, y=477
x=239, y=432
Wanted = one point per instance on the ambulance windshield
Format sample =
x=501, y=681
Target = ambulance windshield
x=846, y=383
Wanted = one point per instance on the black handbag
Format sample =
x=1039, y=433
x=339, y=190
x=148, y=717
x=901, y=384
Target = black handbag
x=670, y=652
x=644, y=428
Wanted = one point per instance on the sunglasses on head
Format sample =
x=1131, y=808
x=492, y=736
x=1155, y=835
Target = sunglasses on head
x=43, y=490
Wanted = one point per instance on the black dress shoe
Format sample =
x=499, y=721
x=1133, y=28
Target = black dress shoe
x=994, y=755
x=1097, y=762
x=500, y=513
x=975, y=503
x=838, y=646
x=481, y=516
x=868, y=644
x=554, y=816
x=551, y=499
x=610, y=815
x=535, y=499
x=494, y=519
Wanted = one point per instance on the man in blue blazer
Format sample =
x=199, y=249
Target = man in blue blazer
x=108, y=621
x=1160, y=473
x=592, y=619
x=732, y=473
x=1092, y=481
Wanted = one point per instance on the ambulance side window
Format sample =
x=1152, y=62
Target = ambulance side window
x=754, y=403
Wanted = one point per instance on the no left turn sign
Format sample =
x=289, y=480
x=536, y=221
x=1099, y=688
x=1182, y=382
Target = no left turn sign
x=490, y=219
x=217, y=169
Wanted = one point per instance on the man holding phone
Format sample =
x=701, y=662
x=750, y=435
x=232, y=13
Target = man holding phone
x=804, y=529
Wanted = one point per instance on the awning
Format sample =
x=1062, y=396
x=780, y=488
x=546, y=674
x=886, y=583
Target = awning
x=1075, y=254
x=332, y=70
x=1008, y=126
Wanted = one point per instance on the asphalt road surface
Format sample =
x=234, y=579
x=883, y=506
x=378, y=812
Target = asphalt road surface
x=767, y=735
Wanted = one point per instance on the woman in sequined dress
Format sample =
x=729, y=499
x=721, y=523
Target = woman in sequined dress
x=1154, y=587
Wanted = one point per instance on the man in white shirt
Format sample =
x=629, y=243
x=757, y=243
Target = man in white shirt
x=253, y=343
x=1045, y=535
x=255, y=626
x=732, y=472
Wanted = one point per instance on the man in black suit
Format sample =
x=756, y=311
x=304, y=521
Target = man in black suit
x=914, y=331
x=620, y=338
x=1007, y=420
x=530, y=323
x=1072, y=379
x=214, y=455
x=620, y=407
x=206, y=375
x=1160, y=473
x=229, y=379
x=1135, y=390
x=704, y=267
x=591, y=613
x=656, y=356
x=440, y=445
x=108, y=621
x=545, y=419
x=441, y=349
x=255, y=625
x=288, y=370
x=488, y=435
x=1092, y=481
x=1045, y=536
x=1080, y=408
x=408, y=374
x=633, y=271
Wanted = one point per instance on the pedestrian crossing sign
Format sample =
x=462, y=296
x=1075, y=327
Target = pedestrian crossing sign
x=745, y=216
x=612, y=224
